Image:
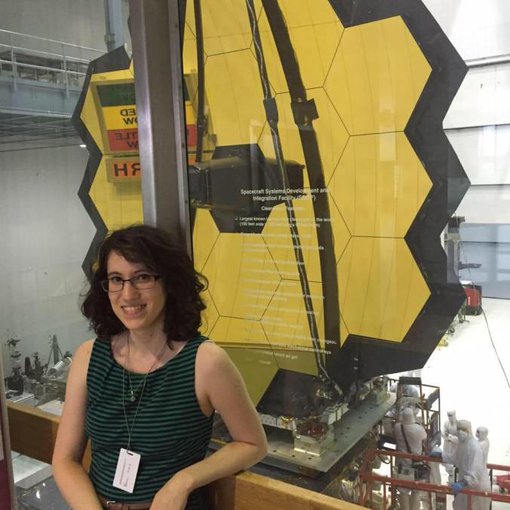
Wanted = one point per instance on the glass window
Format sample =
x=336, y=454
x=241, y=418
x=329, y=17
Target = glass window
x=58, y=195
x=322, y=181
x=349, y=205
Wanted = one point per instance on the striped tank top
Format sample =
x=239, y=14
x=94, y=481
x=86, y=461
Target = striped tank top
x=170, y=431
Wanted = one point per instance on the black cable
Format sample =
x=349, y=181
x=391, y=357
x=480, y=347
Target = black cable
x=201, y=120
x=271, y=109
x=505, y=375
x=182, y=5
x=305, y=112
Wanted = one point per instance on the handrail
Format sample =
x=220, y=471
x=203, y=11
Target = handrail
x=51, y=40
x=30, y=51
x=62, y=61
x=368, y=477
x=439, y=489
x=497, y=467
x=45, y=68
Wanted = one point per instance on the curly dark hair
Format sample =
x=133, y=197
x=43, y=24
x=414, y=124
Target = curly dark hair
x=155, y=249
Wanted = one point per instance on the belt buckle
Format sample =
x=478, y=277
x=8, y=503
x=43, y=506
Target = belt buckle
x=110, y=503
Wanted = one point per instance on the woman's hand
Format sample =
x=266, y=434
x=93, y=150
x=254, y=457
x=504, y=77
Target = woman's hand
x=168, y=501
x=172, y=496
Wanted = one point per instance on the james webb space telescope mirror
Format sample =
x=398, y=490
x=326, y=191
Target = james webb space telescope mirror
x=325, y=264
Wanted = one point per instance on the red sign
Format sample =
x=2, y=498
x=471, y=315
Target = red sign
x=123, y=140
x=191, y=131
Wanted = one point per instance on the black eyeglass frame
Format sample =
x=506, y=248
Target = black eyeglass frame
x=105, y=283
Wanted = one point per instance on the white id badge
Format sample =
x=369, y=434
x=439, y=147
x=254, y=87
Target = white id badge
x=127, y=468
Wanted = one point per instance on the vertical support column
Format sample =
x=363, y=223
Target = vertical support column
x=7, y=489
x=114, y=24
x=157, y=59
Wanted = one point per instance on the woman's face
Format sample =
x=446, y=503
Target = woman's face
x=138, y=310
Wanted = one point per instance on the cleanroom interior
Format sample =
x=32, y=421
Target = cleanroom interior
x=396, y=165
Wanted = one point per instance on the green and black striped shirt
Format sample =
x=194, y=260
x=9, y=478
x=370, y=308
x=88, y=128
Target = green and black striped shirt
x=170, y=431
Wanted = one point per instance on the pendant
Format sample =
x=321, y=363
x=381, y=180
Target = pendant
x=132, y=397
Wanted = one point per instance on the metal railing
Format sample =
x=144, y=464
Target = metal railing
x=27, y=57
x=373, y=484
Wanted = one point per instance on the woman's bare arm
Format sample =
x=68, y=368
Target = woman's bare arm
x=220, y=387
x=71, y=478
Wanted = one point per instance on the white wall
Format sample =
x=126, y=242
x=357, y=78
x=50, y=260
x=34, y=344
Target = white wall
x=45, y=234
x=44, y=228
x=80, y=22
x=478, y=125
x=476, y=28
x=478, y=122
x=74, y=21
x=485, y=155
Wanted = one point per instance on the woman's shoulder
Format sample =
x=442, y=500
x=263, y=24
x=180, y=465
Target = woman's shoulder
x=209, y=347
x=85, y=349
x=212, y=358
x=81, y=359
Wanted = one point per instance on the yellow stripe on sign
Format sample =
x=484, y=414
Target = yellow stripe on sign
x=190, y=113
x=112, y=77
x=120, y=117
x=89, y=118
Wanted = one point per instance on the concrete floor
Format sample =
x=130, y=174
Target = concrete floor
x=473, y=371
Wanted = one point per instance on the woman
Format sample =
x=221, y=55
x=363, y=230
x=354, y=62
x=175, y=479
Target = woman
x=145, y=390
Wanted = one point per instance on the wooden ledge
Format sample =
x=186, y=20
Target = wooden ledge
x=249, y=491
x=33, y=433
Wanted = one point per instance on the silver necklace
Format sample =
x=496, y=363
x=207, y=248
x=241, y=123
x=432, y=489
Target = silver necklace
x=132, y=392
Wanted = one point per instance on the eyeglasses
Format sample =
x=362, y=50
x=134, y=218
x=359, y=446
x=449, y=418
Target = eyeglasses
x=139, y=282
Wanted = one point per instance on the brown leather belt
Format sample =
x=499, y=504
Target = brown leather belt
x=118, y=505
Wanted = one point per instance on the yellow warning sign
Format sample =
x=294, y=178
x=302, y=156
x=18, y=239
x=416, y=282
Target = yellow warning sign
x=120, y=117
